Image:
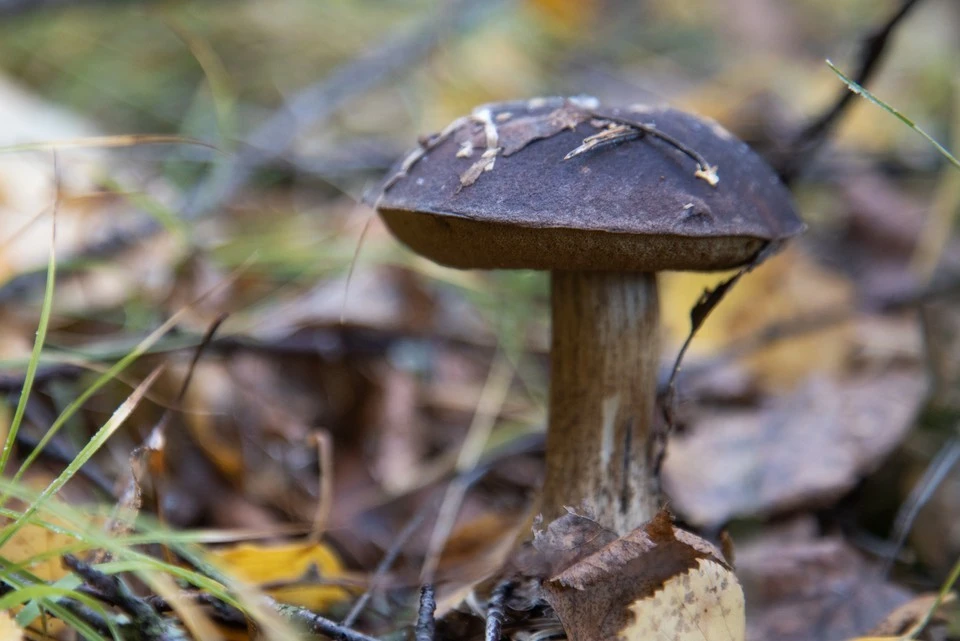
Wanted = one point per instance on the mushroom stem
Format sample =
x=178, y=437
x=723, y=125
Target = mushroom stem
x=602, y=397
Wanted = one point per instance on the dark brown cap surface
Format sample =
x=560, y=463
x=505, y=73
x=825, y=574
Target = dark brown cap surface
x=495, y=191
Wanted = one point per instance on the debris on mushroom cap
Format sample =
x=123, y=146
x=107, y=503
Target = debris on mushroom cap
x=466, y=149
x=612, y=133
x=568, y=115
x=709, y=174
x=554, y=172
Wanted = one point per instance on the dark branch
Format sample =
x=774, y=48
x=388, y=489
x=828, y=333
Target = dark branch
x=112, y=590
x=426, y=628
x=387, y=561
x=809, y=141
x=320, y=625
x=495, y=611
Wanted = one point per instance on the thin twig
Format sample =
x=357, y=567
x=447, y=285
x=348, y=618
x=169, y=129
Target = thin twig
x=130, y=500
x=492, y=397
x=222, y=612
x=922, y=491
x=111, y=589
x=86, y=614
x=771, y=334
x=631, y=128
x=398, y=543
x=811, y=138
x=321, y=517
x=820, y=320
x=319, y=624
x=707, y=303
x=426, y=629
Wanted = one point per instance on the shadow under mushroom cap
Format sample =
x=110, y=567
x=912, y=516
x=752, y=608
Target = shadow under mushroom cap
x=494, y=191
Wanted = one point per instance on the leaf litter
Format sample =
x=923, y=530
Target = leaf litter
x=274, y=378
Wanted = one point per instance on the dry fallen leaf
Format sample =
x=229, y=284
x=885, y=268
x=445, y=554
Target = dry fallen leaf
x=908, y=619
x=658, y=581
x=803, y=587
x=291, y=572
x=802, y=449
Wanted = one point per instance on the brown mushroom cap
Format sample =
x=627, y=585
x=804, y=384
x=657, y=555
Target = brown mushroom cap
x=494, y=191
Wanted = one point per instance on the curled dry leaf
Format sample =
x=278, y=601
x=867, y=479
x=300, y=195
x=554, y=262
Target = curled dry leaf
x=802, y=449
x=656, y=582
x=908, y=619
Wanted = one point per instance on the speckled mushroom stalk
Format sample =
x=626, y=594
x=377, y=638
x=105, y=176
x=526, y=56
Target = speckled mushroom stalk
x=604, y=199
x=604, y=360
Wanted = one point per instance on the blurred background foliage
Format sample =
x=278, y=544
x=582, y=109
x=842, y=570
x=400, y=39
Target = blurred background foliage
x=396, y=384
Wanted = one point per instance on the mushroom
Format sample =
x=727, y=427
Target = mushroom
x=603, y=199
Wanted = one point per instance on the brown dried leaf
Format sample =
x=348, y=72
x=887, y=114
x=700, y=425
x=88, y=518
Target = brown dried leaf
x=518, y=133
x=146, y=469
x=906, y=619
x=808, y=588
x=655, y=579
x=567, y=540
x=802, y=449
x=704, y=604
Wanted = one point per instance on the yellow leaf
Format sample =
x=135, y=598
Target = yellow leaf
x=787, y=287
x=9, y=630
x=655, y=582
x=288, y=572
x=702, y=604
x=29, y=542
x=32, y=540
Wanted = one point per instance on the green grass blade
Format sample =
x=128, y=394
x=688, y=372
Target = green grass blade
x=21, y=580
x=95, y=443
x=34, y=361
x=945, y=590
x=863, y=93
x=210, y=579
x=141, y=348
